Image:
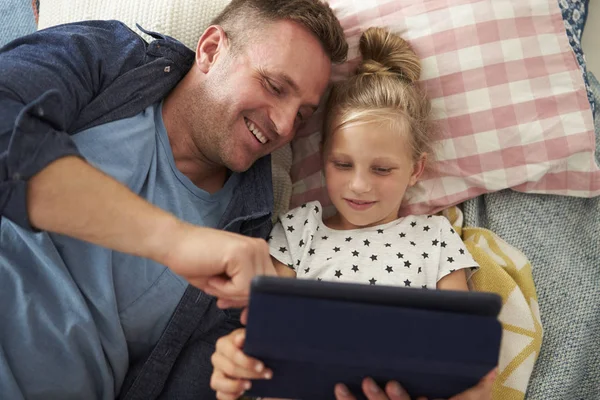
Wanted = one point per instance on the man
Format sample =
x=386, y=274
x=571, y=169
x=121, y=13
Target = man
x=117, y=158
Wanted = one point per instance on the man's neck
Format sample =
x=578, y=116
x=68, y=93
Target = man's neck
x=189, y=159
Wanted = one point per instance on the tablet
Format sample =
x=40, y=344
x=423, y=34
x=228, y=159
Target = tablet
x=314, y=334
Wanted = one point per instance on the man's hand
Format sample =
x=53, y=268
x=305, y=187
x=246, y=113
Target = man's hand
x=220, y=263
x=393, y=391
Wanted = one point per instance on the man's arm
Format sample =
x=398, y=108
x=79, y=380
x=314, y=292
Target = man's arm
x=47, y=79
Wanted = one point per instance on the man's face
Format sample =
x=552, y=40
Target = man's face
x=258, y=96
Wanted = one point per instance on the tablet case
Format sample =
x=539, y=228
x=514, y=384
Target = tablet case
x=316, y=334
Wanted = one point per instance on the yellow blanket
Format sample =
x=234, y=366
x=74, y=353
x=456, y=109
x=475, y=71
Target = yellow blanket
x=507, y=272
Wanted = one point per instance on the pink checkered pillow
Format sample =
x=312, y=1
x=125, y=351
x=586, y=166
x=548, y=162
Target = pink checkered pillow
x=507, y=93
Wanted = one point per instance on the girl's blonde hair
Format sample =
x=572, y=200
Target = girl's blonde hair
x=384, y=90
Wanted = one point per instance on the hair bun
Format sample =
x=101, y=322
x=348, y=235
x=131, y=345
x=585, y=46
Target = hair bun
x=385, y=53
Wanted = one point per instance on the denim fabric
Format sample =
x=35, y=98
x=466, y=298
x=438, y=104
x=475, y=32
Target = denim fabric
x=62, y=80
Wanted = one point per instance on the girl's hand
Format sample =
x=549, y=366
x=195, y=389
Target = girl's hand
x=233, y=369
x=393, y=391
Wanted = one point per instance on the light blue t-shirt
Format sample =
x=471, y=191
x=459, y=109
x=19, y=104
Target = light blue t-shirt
x=74, y=314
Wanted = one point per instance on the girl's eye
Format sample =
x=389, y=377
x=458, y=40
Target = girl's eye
x=382, y=171
x=341, y=165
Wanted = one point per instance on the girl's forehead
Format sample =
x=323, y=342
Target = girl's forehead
x=369, y=140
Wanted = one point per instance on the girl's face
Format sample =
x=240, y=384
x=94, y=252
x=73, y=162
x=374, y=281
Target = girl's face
x=367, y=172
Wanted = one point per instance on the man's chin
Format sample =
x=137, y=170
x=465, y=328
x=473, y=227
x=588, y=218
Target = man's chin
x=240, y=165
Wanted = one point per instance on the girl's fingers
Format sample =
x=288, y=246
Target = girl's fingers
x=228, y=386
x=233, y=362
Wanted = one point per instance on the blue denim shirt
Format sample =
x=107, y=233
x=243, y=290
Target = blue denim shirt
x=62, y=80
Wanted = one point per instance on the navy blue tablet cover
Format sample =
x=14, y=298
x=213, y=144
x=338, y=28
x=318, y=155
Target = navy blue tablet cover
x=315, y=334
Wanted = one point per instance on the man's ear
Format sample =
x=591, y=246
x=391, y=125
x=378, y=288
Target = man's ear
x=418, y=169
x=211, y=44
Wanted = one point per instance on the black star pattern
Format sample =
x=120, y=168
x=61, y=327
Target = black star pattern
x=355, y=253
x=452, y=230
x=418, y=272
x=319, y=279
x=452, y=270
x=366, y=242
x=461, y=251
x=290, y=228
x=429, y=216
x=423, y=286
x=372, y=281
x=426, y=228
x=291, y=266
x=355, y=268
x=324, y=237
x=413, y=224
x=329, y=258
x=450, y=260
x=348, y=239
x=312, y=237
x=435, y=242
x=413, y=243
x=269, y=238
x=407, y=264
x=338, y=273
x=301, y=243
x=311, y=252
x=389, y=269
x=303, y=205
x=318, y=228
x=290, y=216
x=317, y=209
x=283, y=249
x=407, y=283
x=400, y=255
x=306, y=270
x=373, y=257
x=388, y=245
x=298, y=263
x=402, y=234
x=443, y=244
x=336, y=249
x=379, y=230
x=305, y=221
x=425, y=255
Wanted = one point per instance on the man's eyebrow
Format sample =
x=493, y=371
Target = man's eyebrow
x=287, y=79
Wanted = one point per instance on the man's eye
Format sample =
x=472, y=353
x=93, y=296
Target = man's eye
x=273, y=88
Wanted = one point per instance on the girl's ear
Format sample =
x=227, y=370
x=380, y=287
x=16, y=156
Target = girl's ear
x=418, y=169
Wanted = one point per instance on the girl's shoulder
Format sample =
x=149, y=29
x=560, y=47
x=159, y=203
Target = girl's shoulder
x=430, y=221
x=313, y=208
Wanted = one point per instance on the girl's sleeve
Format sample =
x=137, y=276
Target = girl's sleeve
x=453, y=252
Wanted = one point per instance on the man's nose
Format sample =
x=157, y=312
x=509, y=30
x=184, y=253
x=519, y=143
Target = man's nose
x=284, y=118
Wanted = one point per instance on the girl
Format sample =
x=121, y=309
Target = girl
x=377, y=138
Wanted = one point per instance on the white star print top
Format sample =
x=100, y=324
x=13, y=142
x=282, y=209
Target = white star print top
x=413, y=251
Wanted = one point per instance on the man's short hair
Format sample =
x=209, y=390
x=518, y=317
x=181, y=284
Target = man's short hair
x=242, y=17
